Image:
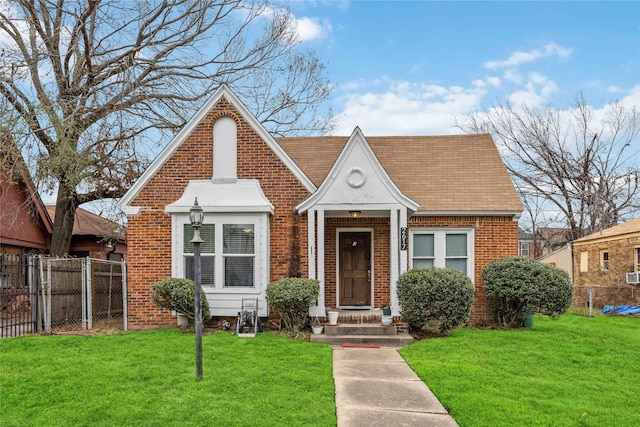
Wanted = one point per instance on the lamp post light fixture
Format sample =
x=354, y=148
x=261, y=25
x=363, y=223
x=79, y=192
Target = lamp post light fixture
x=196, y=217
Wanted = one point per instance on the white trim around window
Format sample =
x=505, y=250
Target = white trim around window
x=228, y=253
x=443, y=248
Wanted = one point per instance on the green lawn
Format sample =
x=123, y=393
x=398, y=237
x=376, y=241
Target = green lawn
x=148, y=379
x=573, y=371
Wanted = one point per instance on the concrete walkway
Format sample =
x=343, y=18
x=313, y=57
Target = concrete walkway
x=376, y=387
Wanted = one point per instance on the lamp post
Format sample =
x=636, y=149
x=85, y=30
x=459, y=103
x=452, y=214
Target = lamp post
x=196, y=217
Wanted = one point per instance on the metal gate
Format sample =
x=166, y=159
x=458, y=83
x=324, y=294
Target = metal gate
x=18, y=295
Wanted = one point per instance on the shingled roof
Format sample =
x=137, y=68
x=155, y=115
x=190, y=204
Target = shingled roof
x=623, y=230
x=87, y=223
x=454, y=173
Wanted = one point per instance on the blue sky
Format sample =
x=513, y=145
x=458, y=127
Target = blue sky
x=406, y=68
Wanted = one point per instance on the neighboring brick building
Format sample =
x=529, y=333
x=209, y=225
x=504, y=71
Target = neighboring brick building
x=602, y=259
x=354, y=212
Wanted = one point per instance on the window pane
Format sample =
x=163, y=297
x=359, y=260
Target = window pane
x=206, y=267
x=456, y=245
x=207, y=233
x=422, y=263
x=456, y=264
x=238, y=271
x=422, y=245
x=238, y=238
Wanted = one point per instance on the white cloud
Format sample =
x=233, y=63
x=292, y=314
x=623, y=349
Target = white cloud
x=407, y=108
x=386, y=107
x=632, y=99
x=512, y=75
x=494, y=81
x=517, y=58
x=537, y=90
x=312, y=28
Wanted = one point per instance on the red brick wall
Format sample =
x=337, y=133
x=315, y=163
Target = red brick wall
x=495, y=238
x=149, y=233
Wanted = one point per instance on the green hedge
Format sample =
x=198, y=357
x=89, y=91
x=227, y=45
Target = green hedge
x=435, y=298
x=517, y=285
x=179, y=295
x=291, y=298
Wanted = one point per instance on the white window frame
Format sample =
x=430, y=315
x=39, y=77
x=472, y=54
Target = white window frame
x=604, y=263
x=636, y=260
x=203, y=254
x=439, y=246
x=261, y=247
x=524, y=247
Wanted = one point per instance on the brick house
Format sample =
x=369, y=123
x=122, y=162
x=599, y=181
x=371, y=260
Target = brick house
x=603, y=258
x=354, y=212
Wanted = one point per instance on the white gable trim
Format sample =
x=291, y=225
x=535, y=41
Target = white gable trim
x=223, y=91
x=356, y=177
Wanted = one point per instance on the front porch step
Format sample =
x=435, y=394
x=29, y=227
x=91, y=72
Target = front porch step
x=382, y=335
x=399, y=340
x=364, y=329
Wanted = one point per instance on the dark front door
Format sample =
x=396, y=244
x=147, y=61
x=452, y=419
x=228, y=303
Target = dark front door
x=355, y=268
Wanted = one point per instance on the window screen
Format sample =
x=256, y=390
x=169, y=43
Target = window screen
x=238, y=242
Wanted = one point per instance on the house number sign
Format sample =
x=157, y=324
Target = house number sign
x=403, y=238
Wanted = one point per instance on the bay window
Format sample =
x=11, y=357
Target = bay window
x=228, y=254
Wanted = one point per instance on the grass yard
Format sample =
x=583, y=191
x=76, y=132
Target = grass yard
x=148, y=379
x=573, y=371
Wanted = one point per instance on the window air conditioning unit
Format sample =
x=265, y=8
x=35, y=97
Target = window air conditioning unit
x=633, y=278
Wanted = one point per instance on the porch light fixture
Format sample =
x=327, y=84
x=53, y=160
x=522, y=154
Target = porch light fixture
x=196, y=217
x=355, y=214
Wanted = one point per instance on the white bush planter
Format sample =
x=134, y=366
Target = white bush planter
x=317, y=330
x=333, y=317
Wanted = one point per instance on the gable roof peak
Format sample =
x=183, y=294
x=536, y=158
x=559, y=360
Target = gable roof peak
x=222, y=92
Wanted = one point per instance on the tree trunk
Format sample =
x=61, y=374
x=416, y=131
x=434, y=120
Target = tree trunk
x=63, y=223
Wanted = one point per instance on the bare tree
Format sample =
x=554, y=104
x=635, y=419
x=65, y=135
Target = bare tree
x=580, y=164
x=96, y=82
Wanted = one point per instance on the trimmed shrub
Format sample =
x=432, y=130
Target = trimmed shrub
x=556, y=294
x=518, y=285
x=179, y=295
x=435, y=298
x=291, y=298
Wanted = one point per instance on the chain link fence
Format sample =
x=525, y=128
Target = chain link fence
x=596, y=297
x=58, y=295
x=81, y=294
